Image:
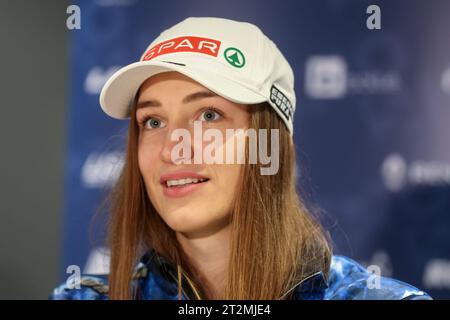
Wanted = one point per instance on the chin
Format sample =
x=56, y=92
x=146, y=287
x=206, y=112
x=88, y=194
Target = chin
x=194, y=224
x=183, y=220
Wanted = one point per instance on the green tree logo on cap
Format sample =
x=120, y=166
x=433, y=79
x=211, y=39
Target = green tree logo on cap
x=234, y=57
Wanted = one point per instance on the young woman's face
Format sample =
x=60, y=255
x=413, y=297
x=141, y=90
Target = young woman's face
x=171, y=101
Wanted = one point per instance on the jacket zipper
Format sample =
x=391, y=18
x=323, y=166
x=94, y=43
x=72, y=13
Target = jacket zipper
x=199, y=298
x=189, y=283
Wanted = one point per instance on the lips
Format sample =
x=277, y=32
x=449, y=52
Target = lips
x=179, y=184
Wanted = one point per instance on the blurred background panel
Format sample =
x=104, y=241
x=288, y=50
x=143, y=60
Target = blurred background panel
x=33, y=89
x=371, y=128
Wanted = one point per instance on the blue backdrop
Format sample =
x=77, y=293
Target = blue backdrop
x=371, y=125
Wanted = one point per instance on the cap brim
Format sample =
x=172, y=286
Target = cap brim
x=119, y=91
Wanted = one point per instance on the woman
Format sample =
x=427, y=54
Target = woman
x=199, y=227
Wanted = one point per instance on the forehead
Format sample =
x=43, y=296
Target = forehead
x=169, y=87
x=174, y=86
x=169, y=79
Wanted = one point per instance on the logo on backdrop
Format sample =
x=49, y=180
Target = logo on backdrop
x=326, y=77
x=101, y=169
x=97, y=77
x=396, y=173
x=445, y=81
x=437, y=274
x=329, y=77
x=98, y=261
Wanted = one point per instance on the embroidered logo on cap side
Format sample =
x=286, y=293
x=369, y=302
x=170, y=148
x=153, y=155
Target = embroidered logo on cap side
x=235, y=57
x=184, y=44
x=281, y=102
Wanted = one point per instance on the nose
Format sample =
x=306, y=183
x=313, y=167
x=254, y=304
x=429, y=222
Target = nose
x=177, y=146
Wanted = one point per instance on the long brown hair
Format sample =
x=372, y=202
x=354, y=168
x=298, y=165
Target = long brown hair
x=275, y=241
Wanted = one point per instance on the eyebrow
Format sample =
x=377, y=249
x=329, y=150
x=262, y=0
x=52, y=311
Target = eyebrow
x=187, y=99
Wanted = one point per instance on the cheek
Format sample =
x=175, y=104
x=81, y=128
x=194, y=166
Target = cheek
x=148, y=163
x=229, y=177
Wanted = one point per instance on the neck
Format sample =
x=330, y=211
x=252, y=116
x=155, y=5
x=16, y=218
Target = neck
x=209, y=256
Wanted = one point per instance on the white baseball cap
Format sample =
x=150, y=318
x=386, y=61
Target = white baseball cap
x=233, y=59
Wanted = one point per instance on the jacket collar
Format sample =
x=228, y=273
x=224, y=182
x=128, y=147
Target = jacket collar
x=163, y=274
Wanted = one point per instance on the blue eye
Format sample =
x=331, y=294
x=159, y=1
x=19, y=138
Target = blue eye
x=153, y=123
x=210, y=115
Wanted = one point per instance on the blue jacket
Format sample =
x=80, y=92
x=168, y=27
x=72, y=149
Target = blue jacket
x=155, y=278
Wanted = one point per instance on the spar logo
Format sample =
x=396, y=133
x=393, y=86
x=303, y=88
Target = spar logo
x=234, y=57
x=184, y=44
